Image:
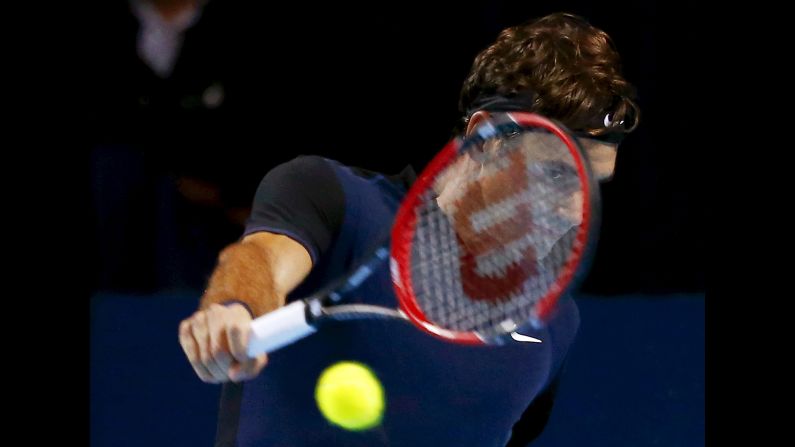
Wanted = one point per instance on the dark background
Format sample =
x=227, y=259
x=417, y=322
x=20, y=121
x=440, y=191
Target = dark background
x=376, y=86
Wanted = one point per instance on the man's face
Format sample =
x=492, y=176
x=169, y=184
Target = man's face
x=469, y=190
x=601, y=155
x=452, y=184
x=513, y=205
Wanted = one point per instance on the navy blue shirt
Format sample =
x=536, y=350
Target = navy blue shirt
x=437, y=393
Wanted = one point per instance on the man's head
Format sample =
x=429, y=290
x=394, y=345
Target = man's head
x=561, y=67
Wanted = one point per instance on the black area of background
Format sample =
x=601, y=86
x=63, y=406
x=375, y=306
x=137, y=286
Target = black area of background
x=376, y=85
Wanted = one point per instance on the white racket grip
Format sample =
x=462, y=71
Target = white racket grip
x=278, y=328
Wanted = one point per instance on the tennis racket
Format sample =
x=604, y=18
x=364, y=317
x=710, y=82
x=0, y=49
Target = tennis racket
x=495, y=230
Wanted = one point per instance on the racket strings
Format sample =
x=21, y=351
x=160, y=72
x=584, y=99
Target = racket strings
x=452, y=310
x=494, y=252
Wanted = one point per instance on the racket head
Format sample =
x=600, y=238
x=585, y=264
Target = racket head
x=495, y=230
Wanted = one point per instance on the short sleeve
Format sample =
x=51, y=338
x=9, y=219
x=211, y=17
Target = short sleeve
x=301, y=199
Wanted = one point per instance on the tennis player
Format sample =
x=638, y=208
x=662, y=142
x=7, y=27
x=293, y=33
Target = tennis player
x=314, y=218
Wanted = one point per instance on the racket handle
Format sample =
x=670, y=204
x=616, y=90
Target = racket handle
x=278, y=328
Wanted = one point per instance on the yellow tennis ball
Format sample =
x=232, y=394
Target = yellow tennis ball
x=350, y=396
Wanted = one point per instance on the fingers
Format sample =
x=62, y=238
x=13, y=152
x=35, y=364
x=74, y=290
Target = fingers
x=201, y=333
x=248, y=369
x=191, y=348
x=245, y=368
x=238, y=342
x=217, y=323
x=215, y=341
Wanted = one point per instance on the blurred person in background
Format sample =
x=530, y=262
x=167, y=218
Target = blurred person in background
x=172, y=162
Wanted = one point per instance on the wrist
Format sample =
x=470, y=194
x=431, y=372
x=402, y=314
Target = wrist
x=245, y=305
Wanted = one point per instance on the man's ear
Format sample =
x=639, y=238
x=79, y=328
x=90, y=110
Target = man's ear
x=475, y=120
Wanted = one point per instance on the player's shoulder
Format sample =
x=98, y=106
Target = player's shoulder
x=305, y=176
x=306, y=164
x=317, y=170
x=304, y=171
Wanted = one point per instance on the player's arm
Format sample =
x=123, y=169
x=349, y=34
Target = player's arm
x=259, y=272
x=296, y=210
x=252, y=278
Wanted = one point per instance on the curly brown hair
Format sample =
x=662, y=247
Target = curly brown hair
x=571, y=68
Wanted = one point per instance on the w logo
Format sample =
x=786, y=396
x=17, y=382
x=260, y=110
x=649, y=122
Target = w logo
x=492, y=222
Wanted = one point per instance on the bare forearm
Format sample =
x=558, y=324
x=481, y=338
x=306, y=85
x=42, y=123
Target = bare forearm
x=245, y=273
x=260, y=271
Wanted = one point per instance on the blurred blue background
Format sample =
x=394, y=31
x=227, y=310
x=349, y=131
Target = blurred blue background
x=635, y=376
